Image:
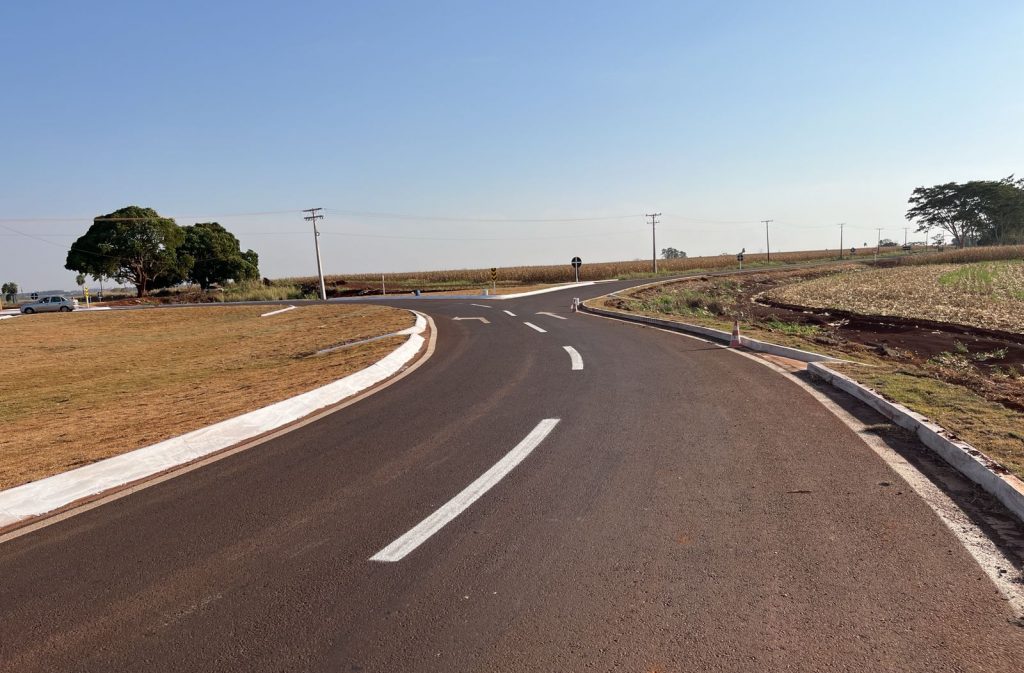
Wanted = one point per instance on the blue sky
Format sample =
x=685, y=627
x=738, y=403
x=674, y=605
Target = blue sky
x=716, y=114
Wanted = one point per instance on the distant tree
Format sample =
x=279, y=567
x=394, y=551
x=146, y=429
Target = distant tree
x=887, y=243
x=133, y=245
x=80, y=280
x=672, y=253
x=9, y=290
x=985, y=212
x=216, y=256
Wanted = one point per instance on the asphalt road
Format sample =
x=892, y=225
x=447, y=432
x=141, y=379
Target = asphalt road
x=690, y=510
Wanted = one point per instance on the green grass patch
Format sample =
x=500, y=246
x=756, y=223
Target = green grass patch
x=791, y=328
x=989, y=426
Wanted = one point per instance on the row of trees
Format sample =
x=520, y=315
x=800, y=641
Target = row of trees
x=979, y=212
x=136, y=245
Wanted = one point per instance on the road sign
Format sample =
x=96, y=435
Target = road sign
x=494, y=274
x=34, y=295
x=576, y=264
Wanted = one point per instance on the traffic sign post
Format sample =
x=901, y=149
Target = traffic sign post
x=576, y=264
x=86, y=297
x=494, y=279
x=739, y=258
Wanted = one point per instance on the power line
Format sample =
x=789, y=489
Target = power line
x=767, y=241
x=654, y=247
x=445, y=218
x=314, y=215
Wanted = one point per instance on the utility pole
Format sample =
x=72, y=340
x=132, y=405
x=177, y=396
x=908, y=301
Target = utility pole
x=878, y=245
x=654, y=245
x=905, y=236
x=767, y=241
x=314, y=215
x=841, y=225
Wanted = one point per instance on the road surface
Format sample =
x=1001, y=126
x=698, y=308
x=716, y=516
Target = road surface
x=549, y=492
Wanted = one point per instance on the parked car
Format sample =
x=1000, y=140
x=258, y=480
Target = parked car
x=52, y=303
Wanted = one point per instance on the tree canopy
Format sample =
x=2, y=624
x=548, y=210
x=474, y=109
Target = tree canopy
x=9, y=289
x=215, y=256
x=982, y=212
x=672, y=253
x=133, y=245
x=136, y=245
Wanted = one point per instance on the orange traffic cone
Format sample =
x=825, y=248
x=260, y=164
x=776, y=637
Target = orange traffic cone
x=735, y=342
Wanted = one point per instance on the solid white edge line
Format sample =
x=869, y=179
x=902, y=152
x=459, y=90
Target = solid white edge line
x=420, y=533
x=510, y=313
x=574, y=355
x=553, y=315
x=481, y=305
x=281, y=310
x=530, y=324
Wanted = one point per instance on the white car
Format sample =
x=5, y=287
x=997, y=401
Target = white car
x=52, y=303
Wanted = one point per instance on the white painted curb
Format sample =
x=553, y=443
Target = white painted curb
x=46, y=495
x=716, y=334
x=967, y=460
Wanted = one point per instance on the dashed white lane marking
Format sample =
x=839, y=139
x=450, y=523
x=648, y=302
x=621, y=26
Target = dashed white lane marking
x=553, y=315
x=481, y=305
x=282, y=310
x=574, y=355
x=398, y=549
x=510, y=313
x=483, y=320
x=530, y=324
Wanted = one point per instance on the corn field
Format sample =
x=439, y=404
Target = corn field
x=563, y=273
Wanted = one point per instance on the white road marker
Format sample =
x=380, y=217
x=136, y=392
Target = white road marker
x=481, y=305
x=483, y=320
x=574, y=355
x=553, y=315
x=419, y=534
x=264, y=315
x=510, y=313
x=530, y=324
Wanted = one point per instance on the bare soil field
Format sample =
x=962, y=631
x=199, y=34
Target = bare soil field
x=986, y=295
x=87, y=386
x=968, y=379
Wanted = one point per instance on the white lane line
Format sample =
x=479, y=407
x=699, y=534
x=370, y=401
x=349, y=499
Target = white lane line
x=264, y=315
x=510, y=313
x=553, y=315
x=419, y=534
x=481, y=305
x=483, y=320
x=530, y=324
x=574, y=355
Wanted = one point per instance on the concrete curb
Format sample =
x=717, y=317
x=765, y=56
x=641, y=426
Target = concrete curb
x=972, y=463
x=51, y=493
x=716, y=334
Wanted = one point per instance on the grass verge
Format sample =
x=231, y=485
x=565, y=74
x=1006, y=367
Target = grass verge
x=993, y=428
x=88, y=386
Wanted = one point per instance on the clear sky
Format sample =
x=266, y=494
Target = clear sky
x=716, y=114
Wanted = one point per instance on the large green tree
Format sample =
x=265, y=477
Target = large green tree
x=984, y=212
x=134, y=245
x=9, y=289
x=216, y=255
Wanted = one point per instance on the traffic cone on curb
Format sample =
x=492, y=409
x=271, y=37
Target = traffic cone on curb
x=735, y=342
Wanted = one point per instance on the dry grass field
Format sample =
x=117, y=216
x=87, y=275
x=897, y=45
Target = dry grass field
x=515, y=276
x=86, y=386
x=988, y=295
